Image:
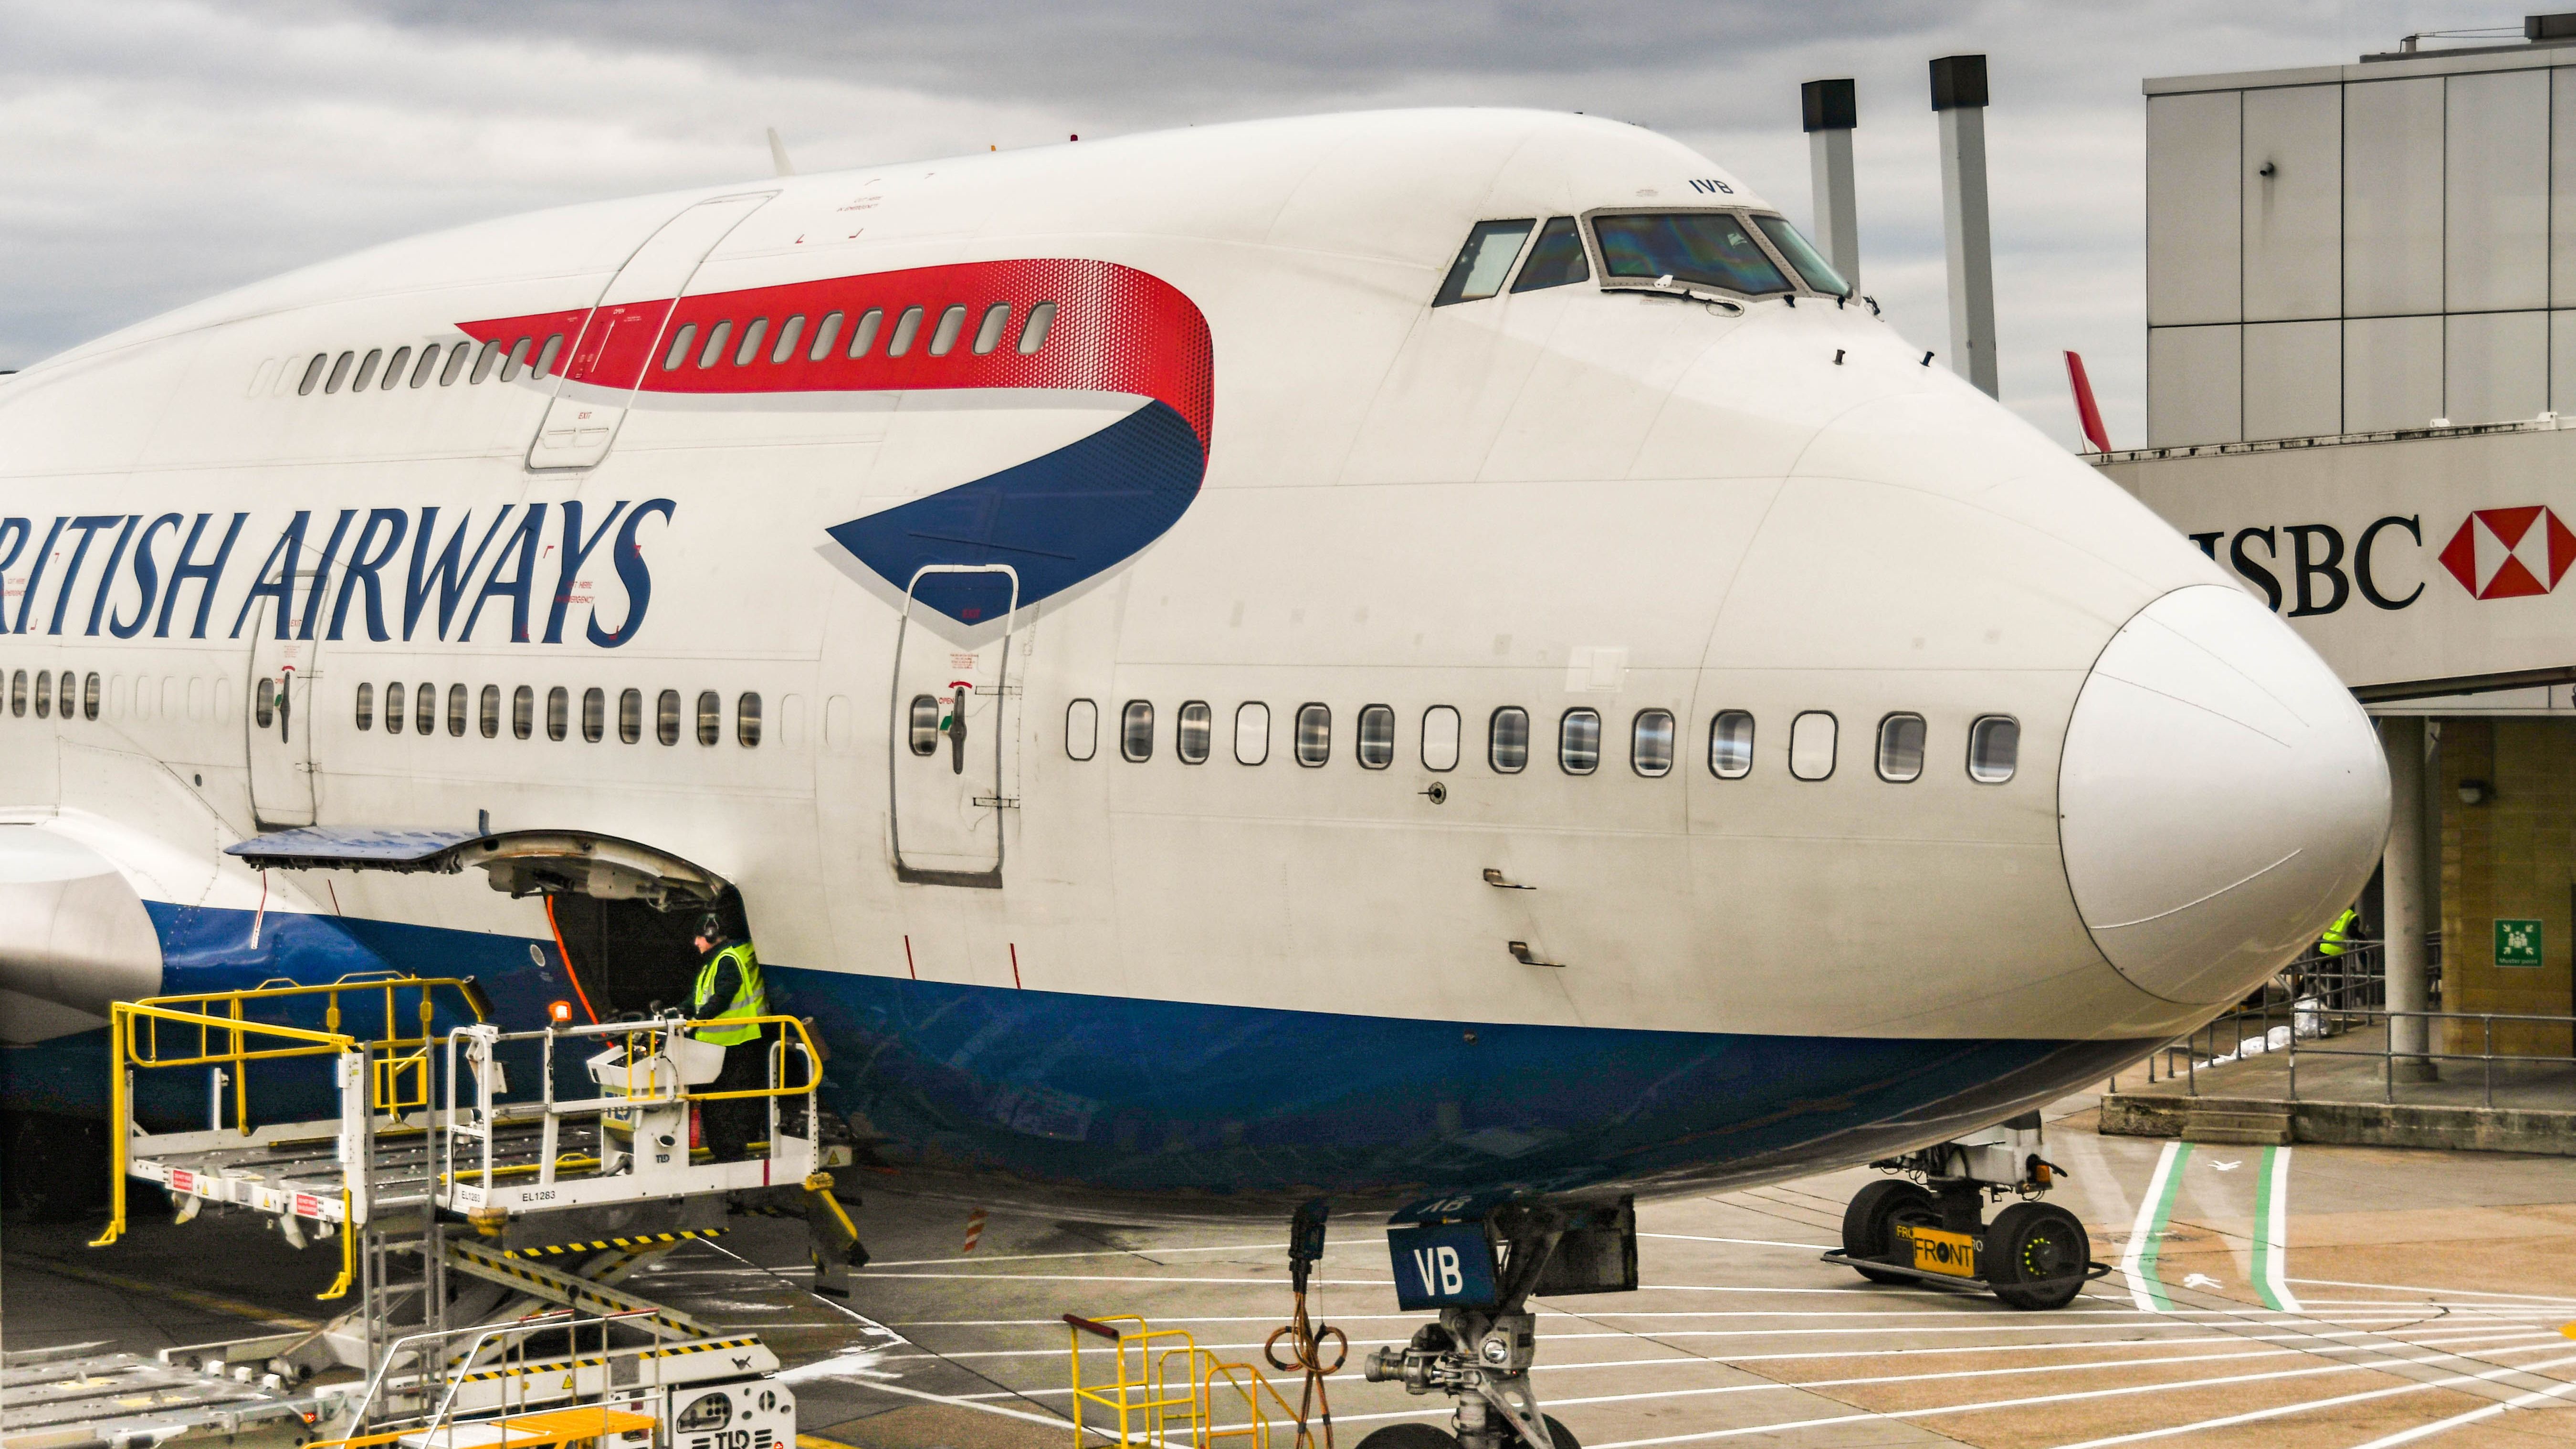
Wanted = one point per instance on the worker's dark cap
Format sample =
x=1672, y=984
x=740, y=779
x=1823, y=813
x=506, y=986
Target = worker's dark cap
x=712, y=927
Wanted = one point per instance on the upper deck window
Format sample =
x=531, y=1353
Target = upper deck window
x=1712, y=248
x=1803, y=256
x=1556, y=260
x=1484, y=261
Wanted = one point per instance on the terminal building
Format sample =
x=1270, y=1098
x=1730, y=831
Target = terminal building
x=2361, y=401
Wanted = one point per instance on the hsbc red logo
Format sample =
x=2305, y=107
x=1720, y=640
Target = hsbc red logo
x=2510, y=553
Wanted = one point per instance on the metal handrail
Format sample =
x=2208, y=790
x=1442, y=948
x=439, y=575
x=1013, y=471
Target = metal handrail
x=2202, y=1044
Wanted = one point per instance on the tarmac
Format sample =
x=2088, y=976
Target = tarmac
x=2417, y=1291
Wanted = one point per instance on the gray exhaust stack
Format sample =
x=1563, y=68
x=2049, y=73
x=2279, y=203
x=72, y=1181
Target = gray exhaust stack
x=1959, y=100
x=1832, y=109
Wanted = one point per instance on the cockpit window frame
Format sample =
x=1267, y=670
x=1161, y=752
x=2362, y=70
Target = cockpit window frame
x=1798, y=285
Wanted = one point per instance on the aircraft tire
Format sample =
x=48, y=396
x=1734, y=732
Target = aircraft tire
x=1409, y=1436
x=1869, y=1222
x=2032, y=1240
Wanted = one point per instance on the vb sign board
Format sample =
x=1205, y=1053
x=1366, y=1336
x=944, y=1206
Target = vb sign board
x=1447, y=1266
x=2517, y=943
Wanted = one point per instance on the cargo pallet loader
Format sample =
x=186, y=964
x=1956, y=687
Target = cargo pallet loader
x=487, y=1234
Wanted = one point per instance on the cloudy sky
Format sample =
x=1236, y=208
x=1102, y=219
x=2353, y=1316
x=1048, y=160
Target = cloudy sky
x=156, y=151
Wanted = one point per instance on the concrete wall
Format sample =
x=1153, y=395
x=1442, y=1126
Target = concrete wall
x=2512, y=857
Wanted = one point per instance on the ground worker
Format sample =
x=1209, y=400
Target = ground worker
x=2333, y=942
x=729, y=987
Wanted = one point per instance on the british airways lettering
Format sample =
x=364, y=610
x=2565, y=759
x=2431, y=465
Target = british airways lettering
x=425, y=574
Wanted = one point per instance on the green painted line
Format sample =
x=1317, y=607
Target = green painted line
x=2148, y=1254
x=2263, y=1232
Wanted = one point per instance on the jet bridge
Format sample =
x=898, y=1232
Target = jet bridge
x=489, y=1193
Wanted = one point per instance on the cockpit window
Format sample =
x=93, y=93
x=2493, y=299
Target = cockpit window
x=1802, y=254
x=1484, y=261
x=1713, y=248
x=1556, y=260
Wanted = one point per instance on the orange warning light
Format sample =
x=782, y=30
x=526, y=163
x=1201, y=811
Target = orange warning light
x=559, y=1012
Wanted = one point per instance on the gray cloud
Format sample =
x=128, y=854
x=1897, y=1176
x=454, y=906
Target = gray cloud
x=161, y=150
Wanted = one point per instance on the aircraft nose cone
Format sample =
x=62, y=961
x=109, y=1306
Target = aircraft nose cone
x=2221, y=797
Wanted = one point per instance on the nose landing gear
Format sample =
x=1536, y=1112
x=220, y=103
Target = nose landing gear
x=1476, y=1260
x=1929, y=1226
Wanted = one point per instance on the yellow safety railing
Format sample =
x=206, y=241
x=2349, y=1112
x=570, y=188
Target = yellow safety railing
x=1165, y=1390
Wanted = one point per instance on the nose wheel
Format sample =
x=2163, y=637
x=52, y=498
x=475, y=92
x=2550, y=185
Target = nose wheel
x=1928, y=1227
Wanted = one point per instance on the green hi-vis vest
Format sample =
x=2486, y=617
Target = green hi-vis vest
x=2332, y=942
x=748, y=1000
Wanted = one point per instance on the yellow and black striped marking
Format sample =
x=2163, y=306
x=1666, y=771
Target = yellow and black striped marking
x=599, y=1245
x=562, y=1365
x=556, y=1287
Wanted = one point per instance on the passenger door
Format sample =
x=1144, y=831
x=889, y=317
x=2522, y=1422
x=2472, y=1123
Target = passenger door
x=625, y=334
x=279, y=723
x=953, y=728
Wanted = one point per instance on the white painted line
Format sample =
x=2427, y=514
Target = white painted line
x=1096, y=1253
x=2272, y=1231
x=2310, y=1405
x=1049, y=1420
x=2464, y=1292
x=2142, y=1231
x=1748, y=1242
x=2444, y=1426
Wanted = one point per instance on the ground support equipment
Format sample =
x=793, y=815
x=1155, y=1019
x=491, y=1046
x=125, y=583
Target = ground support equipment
x=486, y=1233
x=1476, y=1260
x=1928, y=1226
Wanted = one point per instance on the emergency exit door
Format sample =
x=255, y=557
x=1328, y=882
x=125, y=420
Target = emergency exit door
x=626, y=332
x=953, y=735
x=279, y=722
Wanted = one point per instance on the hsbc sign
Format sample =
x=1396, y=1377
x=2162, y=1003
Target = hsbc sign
x=2495, y=553
x=2510, y=553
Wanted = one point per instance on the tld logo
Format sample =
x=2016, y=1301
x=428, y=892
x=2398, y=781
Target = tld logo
x=2510, y=553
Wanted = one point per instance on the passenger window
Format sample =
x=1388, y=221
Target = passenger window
x=866, y=335
x=424, y=709
x=1483, y=262
x=490, y=713
x=89, y=695
x=824, y=336
x=1033, y=333
x=517, y=358
x=1556, y=260
x=951, y=322
x=1802, y=255
x=1507, y=740
x=1650, y=743
x=523, y=712
x=393, y=709
x=666, y=716
x=1578, y=741
x=558, y=713
x=921, y=725
x=1900, y=748
x=1081, y=730
x=44, y=694
x=366, y=707
x=64, y=683
x=989, y=335
x=1136, y=731
x=263, y=703
x=394, y=368
x=1440, y=738
x=1251, y=733
x=312, y=374
x=1194, y=731
x=715, y=347
x=339, y=373
x=428, y=365
x=787, y=335
x=1730, y=744
x=456, y=710
x=906, y=327
x=366, y=369
x=746, y=721
x=1994, y=749
x=484, y=357
x=680, y=342
x=1376, y=737
x=710, y=717
x=1714, y=248
x=1314, y=734
x=594, y=715
x=455, y=361
x=18, y=693
x=1811, y=745
x=751, y=336
x=546, y=357
x=630, y=715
